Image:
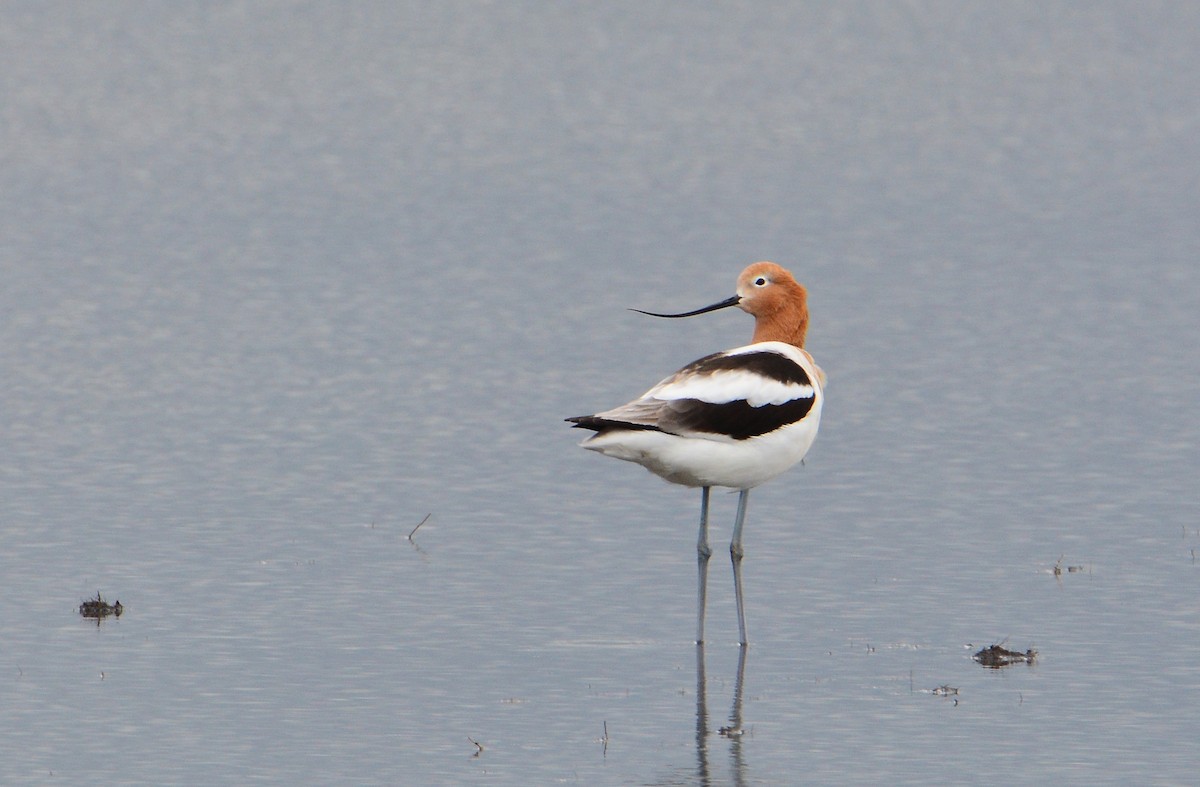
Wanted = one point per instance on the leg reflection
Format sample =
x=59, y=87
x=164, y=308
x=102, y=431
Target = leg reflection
x=701, y=717
x=733, y=731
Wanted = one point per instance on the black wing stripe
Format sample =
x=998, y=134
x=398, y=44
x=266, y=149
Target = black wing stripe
x=735, y=419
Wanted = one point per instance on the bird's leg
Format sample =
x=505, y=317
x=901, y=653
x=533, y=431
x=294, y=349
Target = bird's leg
x=703, y=552
x=735, y=554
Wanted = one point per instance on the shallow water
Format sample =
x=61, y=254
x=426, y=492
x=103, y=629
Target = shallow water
x=280, y=281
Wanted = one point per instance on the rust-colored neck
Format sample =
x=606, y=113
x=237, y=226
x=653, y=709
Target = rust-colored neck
x=787, y=324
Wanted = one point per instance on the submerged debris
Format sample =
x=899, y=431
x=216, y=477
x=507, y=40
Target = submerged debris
x=997, y=656
x=1059, y=569
x=99, y=609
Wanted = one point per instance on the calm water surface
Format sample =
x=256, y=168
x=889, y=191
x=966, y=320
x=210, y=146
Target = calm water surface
x=278, y=281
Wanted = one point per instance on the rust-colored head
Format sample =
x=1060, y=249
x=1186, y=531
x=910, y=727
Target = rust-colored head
x=778, y=302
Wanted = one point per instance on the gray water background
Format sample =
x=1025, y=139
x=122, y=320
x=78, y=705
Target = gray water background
x=280, y=279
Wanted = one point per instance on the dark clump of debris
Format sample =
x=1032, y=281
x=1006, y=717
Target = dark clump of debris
x=99, y=609
x=997, y=656
x=1059, y=569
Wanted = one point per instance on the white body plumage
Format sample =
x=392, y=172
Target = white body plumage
x=734, y=419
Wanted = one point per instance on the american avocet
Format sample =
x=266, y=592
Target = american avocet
x=735, y=419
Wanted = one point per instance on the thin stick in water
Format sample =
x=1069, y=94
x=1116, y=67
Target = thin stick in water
x=418, y=527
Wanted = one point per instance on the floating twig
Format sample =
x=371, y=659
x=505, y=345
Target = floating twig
x=418, y=527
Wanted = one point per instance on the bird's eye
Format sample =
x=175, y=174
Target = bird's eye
x=761, y=281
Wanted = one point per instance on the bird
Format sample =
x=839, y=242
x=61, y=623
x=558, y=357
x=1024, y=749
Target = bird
x=733, y=419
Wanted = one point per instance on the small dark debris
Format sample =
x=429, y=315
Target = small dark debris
x=1059, y=569
x=997, y=656
x=99, y=609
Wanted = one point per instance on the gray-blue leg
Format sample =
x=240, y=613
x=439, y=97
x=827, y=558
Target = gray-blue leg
x=703, y=552
x=735, y=553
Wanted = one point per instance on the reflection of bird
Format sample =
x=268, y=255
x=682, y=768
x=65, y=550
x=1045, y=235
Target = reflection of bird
x=735, y=419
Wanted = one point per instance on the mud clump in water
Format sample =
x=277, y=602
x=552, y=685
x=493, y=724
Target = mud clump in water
x=99, y=609
x=997, y=656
